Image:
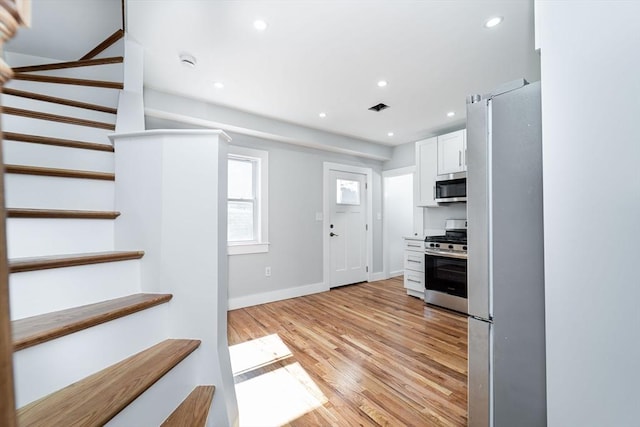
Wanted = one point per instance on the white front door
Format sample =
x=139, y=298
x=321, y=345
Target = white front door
x=347, y=228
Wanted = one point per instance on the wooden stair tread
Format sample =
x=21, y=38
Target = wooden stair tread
x=117, y=35
x=56, y=100
x=96, y=399
x=61, y=173
x=37, y=139
x=57, y=118
x=45, y=327
x=67, y=81
x=69, y=64
x=193, y=411
x=59, y=213
x=19, y=265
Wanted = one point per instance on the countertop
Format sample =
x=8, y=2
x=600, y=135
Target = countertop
x=429, y=232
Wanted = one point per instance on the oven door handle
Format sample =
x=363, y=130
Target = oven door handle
x=445, y=254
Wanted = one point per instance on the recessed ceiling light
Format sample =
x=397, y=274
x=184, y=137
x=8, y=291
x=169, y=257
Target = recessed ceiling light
x=188, y=60
x=451, y=113
x=492, y=22
x=382, y=83
x=259, y=25
x=218, y=85
x=322, y=115
x=390, y=134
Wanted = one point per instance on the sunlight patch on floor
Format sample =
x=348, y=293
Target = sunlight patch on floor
x=276, y=396
x=253, y=354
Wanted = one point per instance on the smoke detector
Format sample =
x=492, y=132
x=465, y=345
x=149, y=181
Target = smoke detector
x=378, y=107
x=188, y=60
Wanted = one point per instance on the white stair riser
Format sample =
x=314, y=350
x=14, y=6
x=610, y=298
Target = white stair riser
x=45, y=368
x=43, y=192
x=14, y=59
x=116, y=49
x=105, y=72
x=94, y=72
x=28, y=237
x=30, y=126
x=94, y=95
x=59, y=109
x=159, y=401
x=51, y=156
x=37, y=292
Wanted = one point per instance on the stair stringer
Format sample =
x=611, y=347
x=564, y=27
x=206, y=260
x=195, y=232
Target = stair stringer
x=172, y=184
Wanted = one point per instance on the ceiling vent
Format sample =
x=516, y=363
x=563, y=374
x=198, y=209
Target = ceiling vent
x=378, y=107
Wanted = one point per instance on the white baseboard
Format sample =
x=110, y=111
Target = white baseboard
x=396, y=273
x=280, y=294
x=378, y=276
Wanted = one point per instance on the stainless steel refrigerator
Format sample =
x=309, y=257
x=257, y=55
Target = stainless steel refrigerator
x=505, y=258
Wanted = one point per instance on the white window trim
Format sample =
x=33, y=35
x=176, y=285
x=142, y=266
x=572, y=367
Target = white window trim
x=261, y=244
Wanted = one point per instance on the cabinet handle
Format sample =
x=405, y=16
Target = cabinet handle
x=414, y=246
x=417, y=262
x=414, y=281
x=459, y=158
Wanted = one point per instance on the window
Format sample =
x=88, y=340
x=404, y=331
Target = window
x=247, y=222
x=347, y=192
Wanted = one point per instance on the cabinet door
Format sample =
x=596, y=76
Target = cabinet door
x=451, y=148
x=426, y=171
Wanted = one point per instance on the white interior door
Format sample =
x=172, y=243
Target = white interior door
x=347, y=228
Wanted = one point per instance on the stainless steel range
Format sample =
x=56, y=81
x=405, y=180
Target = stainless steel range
x=446, y=267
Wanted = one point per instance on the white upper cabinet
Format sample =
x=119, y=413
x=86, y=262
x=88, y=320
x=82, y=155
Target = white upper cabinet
x=426, y=171
x=452, y=149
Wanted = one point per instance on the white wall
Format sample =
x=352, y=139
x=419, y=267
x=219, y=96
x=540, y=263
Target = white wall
x=295, y=196
x=434, y=218
x=591, y=152
x=402, y=156
x=398, y=211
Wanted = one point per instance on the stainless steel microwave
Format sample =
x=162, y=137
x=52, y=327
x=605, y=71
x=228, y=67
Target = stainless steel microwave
x=451, y=188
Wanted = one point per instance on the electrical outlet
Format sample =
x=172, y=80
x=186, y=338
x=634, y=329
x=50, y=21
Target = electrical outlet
x=267, y=271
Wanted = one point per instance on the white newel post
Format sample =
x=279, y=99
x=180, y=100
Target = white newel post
x=171, y=188
x=130, y=116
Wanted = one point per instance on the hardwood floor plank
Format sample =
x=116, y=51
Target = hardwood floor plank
x=378, y=356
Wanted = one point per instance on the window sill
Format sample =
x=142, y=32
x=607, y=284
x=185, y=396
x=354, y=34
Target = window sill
x=247, y=248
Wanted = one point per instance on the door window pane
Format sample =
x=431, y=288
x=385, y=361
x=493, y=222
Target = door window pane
x=240, y=221
x=348, y=192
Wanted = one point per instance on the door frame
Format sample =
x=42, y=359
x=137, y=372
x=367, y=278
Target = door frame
x=326, y=207
x=408, y=170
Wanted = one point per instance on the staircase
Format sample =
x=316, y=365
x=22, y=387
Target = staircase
x=88, y=341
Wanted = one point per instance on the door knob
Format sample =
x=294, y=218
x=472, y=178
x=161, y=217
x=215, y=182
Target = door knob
x=332, y=234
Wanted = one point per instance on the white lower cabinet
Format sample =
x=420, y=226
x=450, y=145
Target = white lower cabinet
x=414, y=267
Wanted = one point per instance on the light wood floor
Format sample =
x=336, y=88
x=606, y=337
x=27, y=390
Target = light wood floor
x=361, y=355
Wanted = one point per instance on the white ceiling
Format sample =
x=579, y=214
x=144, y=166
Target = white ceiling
x=327, y=56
